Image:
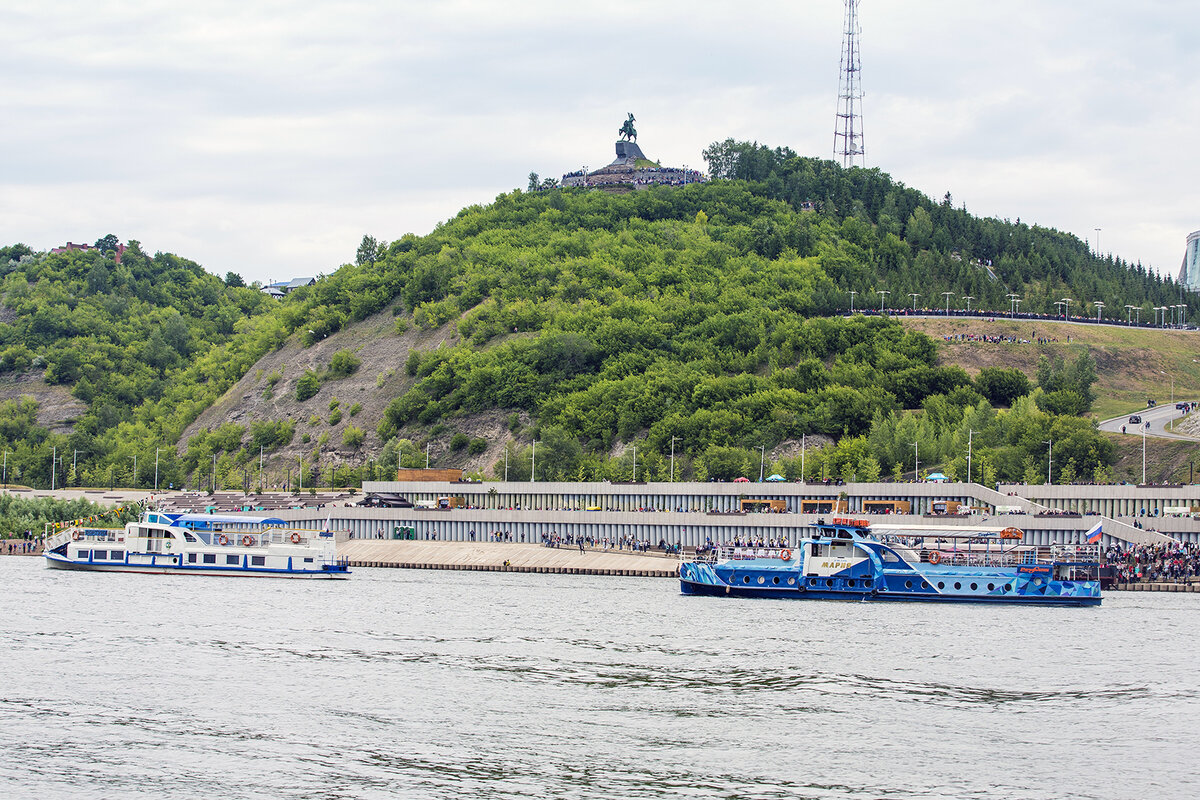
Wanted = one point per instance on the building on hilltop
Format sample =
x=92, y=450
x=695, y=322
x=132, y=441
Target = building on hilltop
x=631, y=170
x=1189, y=272
x=71, y=246
x=282, y=288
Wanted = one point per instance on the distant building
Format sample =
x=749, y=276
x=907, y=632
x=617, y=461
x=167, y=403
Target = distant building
x=282, y=288
x=1189, y=273
x=71, y=246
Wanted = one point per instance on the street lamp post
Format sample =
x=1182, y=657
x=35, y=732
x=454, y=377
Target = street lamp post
x=882, y=296
x=1099, y=308
x=156, y=469
x=1172, y=377
x=1049, y=461
x=1097, y=241
x=673, y=440
x=1128, y=312
x=970, y=434
x=947, y=295
x=968, y=298
x=914, y=296
x=852, y=293
x=762, y=461
x=1144, y=426
x=1066, y=301
x=916, y=461
x=1012, y=303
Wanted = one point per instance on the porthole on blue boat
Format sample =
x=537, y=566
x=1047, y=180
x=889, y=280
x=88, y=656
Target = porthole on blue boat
x=850, y=584
x=973, y=587
x=791, y=581
x=775, y=580
x=908, y=584
x=745, y=579
x=924, y=584
x=829, y=581
x=991, y=587
x=957, y=585
x=761, y=580
x=941, y=585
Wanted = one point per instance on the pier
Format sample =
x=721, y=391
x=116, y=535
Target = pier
x=506, y=557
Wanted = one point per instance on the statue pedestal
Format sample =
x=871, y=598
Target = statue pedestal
x=629, y=150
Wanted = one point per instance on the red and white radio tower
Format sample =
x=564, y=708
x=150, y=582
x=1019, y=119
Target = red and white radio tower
x=848, y=136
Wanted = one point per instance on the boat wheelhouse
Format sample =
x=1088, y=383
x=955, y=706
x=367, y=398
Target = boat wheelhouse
x=848, y=560
x=199, y=544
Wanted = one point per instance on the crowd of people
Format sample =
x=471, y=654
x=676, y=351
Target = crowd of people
x=1177, y=561
x=553, y=539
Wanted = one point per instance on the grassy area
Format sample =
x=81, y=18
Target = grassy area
x=1167, y=460
x=1132, y=364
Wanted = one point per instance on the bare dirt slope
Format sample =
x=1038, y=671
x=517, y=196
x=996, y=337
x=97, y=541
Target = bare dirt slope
x=57, y=408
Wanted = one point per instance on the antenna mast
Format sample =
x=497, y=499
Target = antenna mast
x=848, y=137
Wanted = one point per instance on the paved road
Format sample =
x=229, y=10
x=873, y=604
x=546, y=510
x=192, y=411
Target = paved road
x=1157, y=417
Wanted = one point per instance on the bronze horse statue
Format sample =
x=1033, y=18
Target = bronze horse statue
x=627, y=131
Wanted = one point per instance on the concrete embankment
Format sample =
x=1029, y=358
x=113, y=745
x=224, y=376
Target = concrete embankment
x=1157, y=587
x=504, y=557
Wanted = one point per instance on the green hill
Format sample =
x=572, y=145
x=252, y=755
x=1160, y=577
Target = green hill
x=701, y=318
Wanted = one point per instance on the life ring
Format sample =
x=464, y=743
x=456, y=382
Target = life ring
x=295, y=537
x=247, y=541
x=222, y=539
x=76, y=535
x=935, y=557
x=786, y=555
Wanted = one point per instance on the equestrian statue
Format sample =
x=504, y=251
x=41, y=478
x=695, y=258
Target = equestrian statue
x=627, y=131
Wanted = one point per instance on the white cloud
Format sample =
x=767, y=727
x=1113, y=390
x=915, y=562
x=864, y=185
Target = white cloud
x=267, y=137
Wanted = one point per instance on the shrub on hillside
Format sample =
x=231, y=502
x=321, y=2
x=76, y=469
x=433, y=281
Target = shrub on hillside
x=308, y=385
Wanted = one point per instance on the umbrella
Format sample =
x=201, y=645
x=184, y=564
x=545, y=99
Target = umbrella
x=741, y=480
x=937, y=477
x=776, y=478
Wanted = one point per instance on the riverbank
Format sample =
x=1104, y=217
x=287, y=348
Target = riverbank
x=505, y=557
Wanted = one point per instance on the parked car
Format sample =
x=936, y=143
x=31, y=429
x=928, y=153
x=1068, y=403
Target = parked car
x=1135, y=420
x=1182, y=406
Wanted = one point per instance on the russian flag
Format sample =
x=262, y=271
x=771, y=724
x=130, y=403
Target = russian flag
x=1093, y=534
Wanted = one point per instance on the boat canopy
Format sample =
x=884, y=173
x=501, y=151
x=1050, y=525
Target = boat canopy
x=205, y=521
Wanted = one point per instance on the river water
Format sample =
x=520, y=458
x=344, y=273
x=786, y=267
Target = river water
x=465, y=684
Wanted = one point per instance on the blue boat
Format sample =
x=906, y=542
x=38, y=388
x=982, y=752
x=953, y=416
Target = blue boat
x=846, y=560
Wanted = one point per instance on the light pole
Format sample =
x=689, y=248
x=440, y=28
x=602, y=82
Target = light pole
x=970, y=434
x=1066, y=301
x=427, y=455
x=53, y=461
x=916, y=462
x=914, y=296
x=533, y=460
x=1012, y=303
x=673, y=440
x=156, y=469
x=1097, y=242
x=947, y=295
x=1099, y=308
x=1128, y=312
x=762, y=461
x=852, y=293
x=968, y=298
x=803, y=442
x=883, y=293
x=1172, y=377
x=1144, y=426
x=1049, y=461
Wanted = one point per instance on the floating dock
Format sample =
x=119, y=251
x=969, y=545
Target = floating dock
x=506, y=557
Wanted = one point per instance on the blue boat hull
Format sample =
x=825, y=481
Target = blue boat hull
x=792, y=593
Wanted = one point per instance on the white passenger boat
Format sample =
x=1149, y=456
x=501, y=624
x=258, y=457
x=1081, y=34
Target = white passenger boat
x=199, y=544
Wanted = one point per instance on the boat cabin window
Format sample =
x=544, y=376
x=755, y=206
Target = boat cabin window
x=187, y=537
x=99, y=554
x=231, y=560
x=84, y=554
x=258, y=561
x=888, y=556
x=210, y=558
x=116, y=555
x=191, y=558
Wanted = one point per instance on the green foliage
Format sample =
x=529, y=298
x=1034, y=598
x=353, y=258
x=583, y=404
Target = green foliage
x=353, y=436
x=308, y=385
x=477, y=446
x=335, y=416
x=1002, y=385
x=343, y=364
x=459, y=440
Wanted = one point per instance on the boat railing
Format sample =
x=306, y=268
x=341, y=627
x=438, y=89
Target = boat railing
x=717, y=553
x=1075, y=553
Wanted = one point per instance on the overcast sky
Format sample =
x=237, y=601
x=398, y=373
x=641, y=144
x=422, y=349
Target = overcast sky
x=266, y=138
